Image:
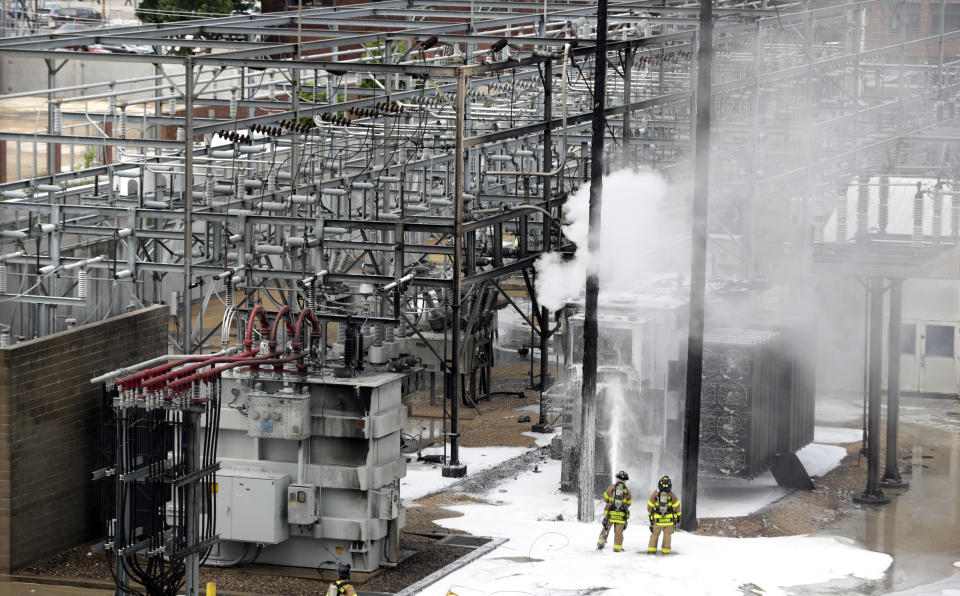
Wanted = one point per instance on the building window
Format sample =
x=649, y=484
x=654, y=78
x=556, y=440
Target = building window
x=908, y=16
x=951, y=22
x=939, y=341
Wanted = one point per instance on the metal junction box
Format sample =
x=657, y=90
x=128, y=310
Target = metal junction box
x=280, y=415
x=251, y=506
x=389, y=503
x=302, y=506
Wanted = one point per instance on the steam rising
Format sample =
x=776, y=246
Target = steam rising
x=645, y=230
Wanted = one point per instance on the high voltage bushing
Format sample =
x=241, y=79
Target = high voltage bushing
x=82, y=283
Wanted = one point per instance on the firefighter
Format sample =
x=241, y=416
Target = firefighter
x=664, y=511
x=616, y=512
x=342, y=586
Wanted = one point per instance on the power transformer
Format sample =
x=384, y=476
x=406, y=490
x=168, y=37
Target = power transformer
x=310, y=469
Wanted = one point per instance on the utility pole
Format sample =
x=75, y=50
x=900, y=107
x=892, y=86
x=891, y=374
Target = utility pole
x=188, y=205
x=698, y=271
x=588, y=404
x=454, y=468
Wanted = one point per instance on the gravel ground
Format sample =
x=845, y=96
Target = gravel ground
x=494, y=422
x=802, y=512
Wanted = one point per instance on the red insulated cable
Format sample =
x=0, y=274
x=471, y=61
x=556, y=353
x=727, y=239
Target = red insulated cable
x=137, y=379
x=264, y=325
x=206, y=376
x=297, y=344
x=284, y=314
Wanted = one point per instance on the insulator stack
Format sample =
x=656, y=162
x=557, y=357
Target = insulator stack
x=4, y=339
x=229, y=291
x=122, y=123
x=349, y=346
x=819, y=212
x=112, y=104
x=916, y=238
x=863, y=205
x=937, y=212
x=955, y=215
x=341, y=333
x=842, y=216
x=378, y=334
x=172, y=104
x=57, y=119
x=234, y=105
x=82, y=283
x=389, y=332
x=3, y=278
x=884, y=214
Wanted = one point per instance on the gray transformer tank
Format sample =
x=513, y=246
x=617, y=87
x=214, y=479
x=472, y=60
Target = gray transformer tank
x=310, y=469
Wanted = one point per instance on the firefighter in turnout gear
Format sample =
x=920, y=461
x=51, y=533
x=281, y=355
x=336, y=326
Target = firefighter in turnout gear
x=342, y=586
x=616, y=512
x=664, y=511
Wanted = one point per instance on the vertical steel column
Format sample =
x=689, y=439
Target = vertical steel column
x=454, y=469
x=858, y=39
x=901, y=71
x=698, y=264
x=940, y=42
x=191, y=430
x=187, y=204
x=588, y=405
x=748, y=233
x=872, y=495
x=52, y=148
x=628, y=158
x=891, y=475
x=122, y=580
x=542, y=426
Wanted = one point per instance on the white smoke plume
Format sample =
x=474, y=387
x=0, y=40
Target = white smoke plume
x=644, y=230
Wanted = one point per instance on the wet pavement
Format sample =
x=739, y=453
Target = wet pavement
x=920, y=527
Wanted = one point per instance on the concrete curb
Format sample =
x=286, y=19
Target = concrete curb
x=439, y=574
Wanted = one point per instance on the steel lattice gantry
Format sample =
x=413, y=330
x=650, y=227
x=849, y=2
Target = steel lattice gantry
x=388, y=164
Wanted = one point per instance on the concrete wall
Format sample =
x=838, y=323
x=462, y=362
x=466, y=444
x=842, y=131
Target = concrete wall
x=842, y=320
x=49, y=416
x=27, y=74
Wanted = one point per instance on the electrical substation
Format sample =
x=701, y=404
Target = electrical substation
x=340, y=207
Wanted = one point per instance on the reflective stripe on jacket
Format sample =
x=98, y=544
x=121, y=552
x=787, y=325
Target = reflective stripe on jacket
x=618, y=517
x=666, y=515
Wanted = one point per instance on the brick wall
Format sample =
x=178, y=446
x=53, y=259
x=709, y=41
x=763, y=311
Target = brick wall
x=49, y=413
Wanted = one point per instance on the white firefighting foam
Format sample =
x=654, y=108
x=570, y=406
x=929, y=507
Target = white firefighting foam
x=548, y=552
